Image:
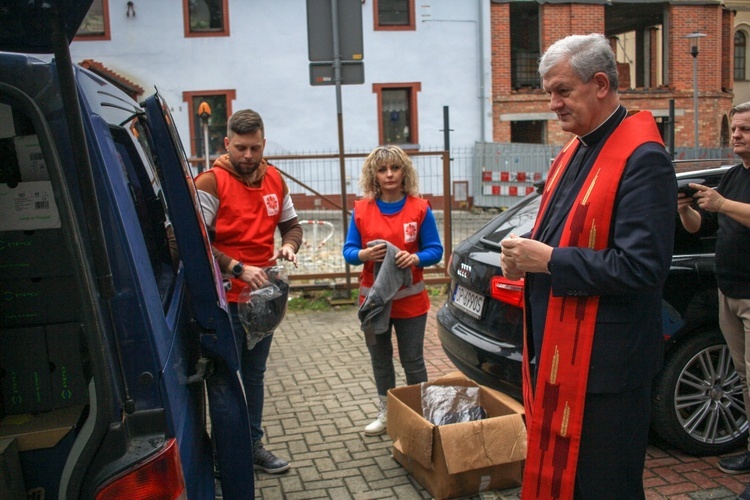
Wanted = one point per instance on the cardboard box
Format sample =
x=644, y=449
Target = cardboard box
x=30, y=159
x=33, y=254
x=24, y=368
x=460, y=459
x=44, y=430
x=39, y=301
x=28, y=206
x=7, y=126
x=67, y=379
x=11, y=477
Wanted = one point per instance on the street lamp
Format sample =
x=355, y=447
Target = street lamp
x=204, y=112
x=694, y=39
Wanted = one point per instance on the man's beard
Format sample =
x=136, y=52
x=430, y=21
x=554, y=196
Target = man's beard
x=244, y=168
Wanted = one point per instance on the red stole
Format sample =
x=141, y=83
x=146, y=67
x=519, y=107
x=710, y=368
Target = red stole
x=554, y=410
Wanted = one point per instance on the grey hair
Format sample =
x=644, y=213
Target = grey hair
x=588, y=55
x=740, y=108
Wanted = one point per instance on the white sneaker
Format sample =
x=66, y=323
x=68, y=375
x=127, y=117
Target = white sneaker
x=380, y=424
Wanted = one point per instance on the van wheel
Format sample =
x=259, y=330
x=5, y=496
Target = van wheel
x=697, y=397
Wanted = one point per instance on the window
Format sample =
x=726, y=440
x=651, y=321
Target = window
x=95, y=25
x=221, y=109
x=397, y=113
x=529, y=132
x=150, y=205
x=524, y=45
x=740, y=51
x=206, y=17
x=394, y=14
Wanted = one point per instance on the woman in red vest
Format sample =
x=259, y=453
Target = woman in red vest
x=394, y=234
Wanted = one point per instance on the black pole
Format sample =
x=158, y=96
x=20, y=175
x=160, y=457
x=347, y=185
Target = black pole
x=447, y=195
x=671, y=128
x=446, y=129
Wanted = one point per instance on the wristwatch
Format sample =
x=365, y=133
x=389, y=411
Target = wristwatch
x=237, y=269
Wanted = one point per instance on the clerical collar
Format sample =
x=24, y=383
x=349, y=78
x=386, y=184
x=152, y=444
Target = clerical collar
x=599, y=132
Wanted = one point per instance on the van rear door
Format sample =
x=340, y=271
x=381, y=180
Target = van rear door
x=228, y=410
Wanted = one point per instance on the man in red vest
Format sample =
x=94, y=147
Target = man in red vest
x=594, y=267
x=243, y=200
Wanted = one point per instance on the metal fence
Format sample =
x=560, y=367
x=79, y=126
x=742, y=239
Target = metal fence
x=466, y=190
x=324, y=198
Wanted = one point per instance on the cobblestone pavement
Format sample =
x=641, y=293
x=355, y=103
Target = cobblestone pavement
x=320, y=395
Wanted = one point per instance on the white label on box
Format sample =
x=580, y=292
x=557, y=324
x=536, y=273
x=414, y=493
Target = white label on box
x=7, y=128
x=28, y=206
x=30, y=159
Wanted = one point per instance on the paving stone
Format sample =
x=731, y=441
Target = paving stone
x=321, y=394
x=712, y=494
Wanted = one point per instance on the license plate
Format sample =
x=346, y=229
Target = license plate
x=468, y=301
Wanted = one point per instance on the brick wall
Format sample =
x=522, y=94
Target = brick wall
x=714, y=68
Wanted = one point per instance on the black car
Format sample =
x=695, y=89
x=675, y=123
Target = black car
x=697, y=396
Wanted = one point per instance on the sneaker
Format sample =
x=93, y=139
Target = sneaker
x=268, y=462
x=380, y=424
x=736, y=464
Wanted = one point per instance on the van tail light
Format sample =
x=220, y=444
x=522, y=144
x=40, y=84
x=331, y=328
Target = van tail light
x=507, y=291
x=159, y=477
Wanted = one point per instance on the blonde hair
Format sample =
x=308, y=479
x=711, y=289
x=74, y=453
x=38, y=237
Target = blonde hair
x=382, y=156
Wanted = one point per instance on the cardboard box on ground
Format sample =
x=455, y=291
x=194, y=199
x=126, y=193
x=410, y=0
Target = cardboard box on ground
x=460, y=459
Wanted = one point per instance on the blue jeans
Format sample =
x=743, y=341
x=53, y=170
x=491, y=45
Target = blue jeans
x=410, y=338
x=253, y=366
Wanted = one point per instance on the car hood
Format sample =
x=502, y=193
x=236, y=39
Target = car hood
x=28, y=25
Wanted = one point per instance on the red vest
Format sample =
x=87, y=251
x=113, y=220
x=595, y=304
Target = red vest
x=402, y=230
x=247, y=219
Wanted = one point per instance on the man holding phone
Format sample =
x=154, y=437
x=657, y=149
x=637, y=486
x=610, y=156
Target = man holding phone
x=727, y=210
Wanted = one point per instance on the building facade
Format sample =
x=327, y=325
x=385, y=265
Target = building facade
x=436, y=73
x=419, y=57
x=654, y=54
x=741, y=47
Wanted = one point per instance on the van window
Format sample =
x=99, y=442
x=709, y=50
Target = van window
x=145, y=188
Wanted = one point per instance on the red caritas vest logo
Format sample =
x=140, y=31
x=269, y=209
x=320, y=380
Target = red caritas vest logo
x=272, y=204
x=410, y=232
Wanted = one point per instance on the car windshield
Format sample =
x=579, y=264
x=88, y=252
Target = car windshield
x=518, y=219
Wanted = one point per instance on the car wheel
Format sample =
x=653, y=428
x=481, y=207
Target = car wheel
x=697, y=397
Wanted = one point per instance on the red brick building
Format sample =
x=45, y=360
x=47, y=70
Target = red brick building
x=653, y=54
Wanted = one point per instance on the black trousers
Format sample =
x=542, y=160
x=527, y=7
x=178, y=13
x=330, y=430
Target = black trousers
x=613, y=445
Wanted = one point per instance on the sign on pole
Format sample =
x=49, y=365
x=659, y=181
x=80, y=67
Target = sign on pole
x=321, y=38
x=334, y=40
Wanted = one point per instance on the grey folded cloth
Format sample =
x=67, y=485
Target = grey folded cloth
x=375, y=311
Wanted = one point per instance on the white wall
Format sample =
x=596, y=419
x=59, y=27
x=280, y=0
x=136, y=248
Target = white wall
x=265, y=60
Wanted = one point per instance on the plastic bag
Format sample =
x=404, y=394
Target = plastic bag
x=451, y=404
x=262, y=310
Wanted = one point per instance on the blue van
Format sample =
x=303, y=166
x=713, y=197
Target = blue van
x=119, y=369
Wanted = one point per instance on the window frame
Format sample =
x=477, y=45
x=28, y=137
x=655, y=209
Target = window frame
x=188, y=96
x=107, y=31
x=198, y=34
x=412, y=26
x=413, y=88
x=743, y=59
